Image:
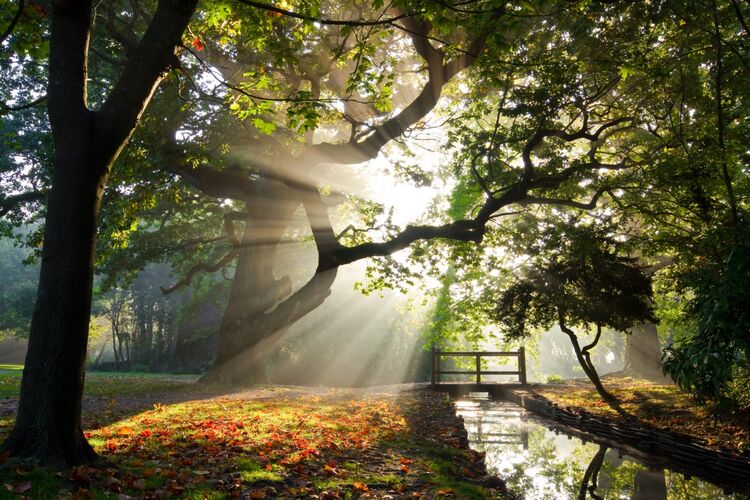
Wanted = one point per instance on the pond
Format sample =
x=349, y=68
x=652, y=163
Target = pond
x=538, y=461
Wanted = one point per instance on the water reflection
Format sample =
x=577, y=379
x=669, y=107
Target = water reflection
x=538, y=463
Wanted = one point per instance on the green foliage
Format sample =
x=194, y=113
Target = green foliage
x=575, y=277
x=706, y=362
x=17, y=289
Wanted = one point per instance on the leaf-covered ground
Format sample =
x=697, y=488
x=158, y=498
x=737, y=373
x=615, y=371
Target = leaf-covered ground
x=166, y=437
x=661, y=405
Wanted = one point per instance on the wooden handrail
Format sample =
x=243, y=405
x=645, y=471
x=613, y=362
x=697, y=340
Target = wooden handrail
x=477, y=371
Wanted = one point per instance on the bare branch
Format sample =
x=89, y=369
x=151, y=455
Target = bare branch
x=201, y=268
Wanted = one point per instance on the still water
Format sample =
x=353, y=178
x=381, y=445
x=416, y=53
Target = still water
x=538, y=463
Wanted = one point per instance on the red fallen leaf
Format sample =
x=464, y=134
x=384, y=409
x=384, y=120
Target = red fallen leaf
x=145, y=433
x=406, y=461
x=405, y=469
x=87, y=435
x=111, y=445
x=198, y=44
x=125, y=431
x=23, y=487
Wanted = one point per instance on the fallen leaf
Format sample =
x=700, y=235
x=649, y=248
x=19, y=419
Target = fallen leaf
x=23, y=487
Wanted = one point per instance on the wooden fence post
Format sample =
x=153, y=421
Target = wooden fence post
x=435, y=364
x=522, y=365
x=479, y=369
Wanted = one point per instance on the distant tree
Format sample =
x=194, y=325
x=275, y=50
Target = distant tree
x=17, y=289
x=575, y=278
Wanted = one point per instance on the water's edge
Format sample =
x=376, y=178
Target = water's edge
x=653, y=448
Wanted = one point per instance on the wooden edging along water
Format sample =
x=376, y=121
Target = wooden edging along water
x=653, y=447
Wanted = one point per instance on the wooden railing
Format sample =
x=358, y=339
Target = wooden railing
x=477, y=371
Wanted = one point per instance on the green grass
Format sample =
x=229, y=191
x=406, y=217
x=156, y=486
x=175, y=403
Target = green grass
x=12, y=368
x=104, y=384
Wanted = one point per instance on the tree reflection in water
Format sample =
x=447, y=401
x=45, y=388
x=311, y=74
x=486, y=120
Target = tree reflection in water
x=538, y=463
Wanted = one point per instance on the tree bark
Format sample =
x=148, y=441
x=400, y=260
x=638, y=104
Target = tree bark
x=584, y=359
x=48, y=423
x=243, y=341
x=643, y=352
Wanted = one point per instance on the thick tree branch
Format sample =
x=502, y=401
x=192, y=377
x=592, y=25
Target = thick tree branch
x=439, y=74
x=202, y=268
x=594, y=342
x=145, y=68
x=5, y=108
x=66, y=87
x=8, y=203
x=13, y=21
x=537, y=200
x=322, y=20
x=230, y=183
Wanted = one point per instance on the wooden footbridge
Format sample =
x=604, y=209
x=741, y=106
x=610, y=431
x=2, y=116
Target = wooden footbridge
x=477, y=372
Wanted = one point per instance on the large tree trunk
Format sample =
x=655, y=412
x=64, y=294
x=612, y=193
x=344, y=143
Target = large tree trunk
x=643, y=352
x=649, y=485
x=243, y=341
x=48, y=423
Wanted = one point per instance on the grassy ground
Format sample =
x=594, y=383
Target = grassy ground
x=164, y=436
x=661, y=405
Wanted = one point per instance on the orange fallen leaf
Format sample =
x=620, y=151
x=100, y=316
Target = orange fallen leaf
x=361, y=487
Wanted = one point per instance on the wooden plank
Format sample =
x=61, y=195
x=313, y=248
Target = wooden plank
x=474, y=353
x=435, y=371
x=473, y=372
